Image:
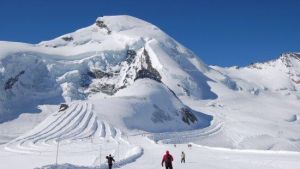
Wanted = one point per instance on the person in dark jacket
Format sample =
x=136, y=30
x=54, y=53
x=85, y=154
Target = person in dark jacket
x=182, y=157
x=167, y=159
x=110, y=161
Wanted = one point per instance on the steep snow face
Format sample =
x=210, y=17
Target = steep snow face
x=104, y=58
x=180, y=68
x=149, y=106
x=25, y=83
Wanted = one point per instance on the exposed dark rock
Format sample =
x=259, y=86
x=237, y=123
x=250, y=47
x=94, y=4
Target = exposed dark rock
x=122, y=87
x=67, y=38
x=98, y=74
x=255, y=66
x=109, y=89
x=131, y=54
x=145, y=73
x=11, y=81
x=174, y=94
x=149, y=71
x=290, y=55
x=188, y=116
x=105, y=88
x=102, y=25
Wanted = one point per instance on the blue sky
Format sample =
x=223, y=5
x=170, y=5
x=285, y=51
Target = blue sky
x=220, y=32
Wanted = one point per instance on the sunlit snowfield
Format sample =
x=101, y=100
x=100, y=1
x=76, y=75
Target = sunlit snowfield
x=134, y=92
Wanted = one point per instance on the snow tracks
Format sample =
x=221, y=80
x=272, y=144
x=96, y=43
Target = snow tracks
x=78, y=131
x=76, y=122
x=187, y=136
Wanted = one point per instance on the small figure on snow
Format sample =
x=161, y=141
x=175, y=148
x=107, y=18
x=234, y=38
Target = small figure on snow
x=167, y=159
x=63, y=107
x=110, y=161
x=182, y=157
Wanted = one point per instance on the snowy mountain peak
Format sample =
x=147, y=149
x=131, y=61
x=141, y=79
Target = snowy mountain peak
x=285, y=59
x=121, y=22
x=102, y=59
x=121, y=28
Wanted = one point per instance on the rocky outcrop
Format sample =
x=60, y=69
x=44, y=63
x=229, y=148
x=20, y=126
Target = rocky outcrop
x=109, y=89
x=131, y=69
x=11, y=81
x=67, y=38
x=98, y=74
x=102, y=25
x=147, y=70
x=188, y=116
x=131, y=54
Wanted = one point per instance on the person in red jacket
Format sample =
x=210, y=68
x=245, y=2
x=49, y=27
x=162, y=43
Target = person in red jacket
x=167, y=159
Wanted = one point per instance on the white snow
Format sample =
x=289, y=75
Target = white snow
x=134, y=92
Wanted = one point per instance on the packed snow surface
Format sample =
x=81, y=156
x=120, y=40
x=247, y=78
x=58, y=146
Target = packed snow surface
x=134, y=92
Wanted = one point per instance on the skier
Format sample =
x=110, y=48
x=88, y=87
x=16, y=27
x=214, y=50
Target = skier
x=182, y=157
x=110, y=161
x=167, y=159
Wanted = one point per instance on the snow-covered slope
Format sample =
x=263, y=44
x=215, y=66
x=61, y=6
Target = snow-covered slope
x=124, y=79
x=276, y=75
x=259, y=105
x=103, y=59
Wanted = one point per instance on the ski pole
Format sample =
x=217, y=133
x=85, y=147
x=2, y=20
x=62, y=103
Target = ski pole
x=56, y=161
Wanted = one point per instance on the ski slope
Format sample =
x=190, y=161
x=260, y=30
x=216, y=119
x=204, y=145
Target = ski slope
x=79, y=132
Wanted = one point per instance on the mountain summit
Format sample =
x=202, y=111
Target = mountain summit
x=109, y=58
